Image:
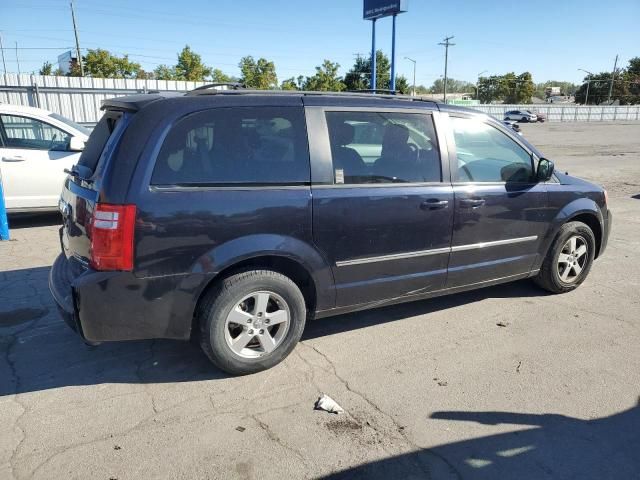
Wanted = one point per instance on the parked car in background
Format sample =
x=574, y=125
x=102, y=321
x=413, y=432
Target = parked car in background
x=513, y=126
x=520, y=116
x=541, y=116
x=232, y=217
x=36, y=147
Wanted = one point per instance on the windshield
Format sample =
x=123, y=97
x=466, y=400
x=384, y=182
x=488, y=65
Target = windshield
x=71, y=123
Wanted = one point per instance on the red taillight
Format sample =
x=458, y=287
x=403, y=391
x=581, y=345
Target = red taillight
x=112, y=229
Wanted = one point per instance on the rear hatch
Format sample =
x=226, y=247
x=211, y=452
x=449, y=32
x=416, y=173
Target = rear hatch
x=81, y=190
x=96, y=233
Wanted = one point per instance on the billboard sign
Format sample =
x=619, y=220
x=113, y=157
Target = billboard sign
x=374, y=9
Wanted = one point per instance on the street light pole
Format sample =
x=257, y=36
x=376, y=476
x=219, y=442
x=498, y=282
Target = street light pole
x=414, y=74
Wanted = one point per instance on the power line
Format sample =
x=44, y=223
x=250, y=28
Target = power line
x=43, y=48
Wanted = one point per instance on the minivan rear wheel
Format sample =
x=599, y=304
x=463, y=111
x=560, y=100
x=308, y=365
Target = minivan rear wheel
x=251, y=321
x=569, y=259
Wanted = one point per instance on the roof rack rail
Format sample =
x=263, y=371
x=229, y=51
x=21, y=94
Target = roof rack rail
x=230, y=85
x=240, y=90
x=374, y=90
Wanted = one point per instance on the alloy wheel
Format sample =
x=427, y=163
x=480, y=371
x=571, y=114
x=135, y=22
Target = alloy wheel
x=257, y=324
x=572, y=259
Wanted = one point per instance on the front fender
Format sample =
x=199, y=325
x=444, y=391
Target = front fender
x=223, y=256
x=571, y=210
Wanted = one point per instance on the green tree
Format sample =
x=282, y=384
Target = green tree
x=599, y=85
x=402, y=85
x=260, y=74
x=164, y=72
x=492, y=89
x=520, y=88
x=46, y=69
x=631, y=77
x=507, y=88
x=144, y=75
x=101, y=63
x=217, y=76
x=566, y=88
x=190, y=66
x=453, y=86
x=289, y=84
x=326, y=79
x=358, y=78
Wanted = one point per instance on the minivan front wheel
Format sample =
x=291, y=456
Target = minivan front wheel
x=569, y=259
x=251, y=321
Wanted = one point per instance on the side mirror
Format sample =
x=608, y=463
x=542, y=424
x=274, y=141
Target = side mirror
x=76, y=144
x=545, y=170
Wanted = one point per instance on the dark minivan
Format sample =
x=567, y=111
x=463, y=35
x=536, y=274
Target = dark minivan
x=234, y=216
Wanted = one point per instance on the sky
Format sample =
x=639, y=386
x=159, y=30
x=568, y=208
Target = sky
x=551, y=39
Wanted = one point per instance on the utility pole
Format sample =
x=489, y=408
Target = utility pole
x=446, y=45
x=4, y=64
x=589, y=75
x=414, y=74
x=17, y=60
x=75, y=31
x=613, y=74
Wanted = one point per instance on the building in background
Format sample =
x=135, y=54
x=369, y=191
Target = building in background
x=66, y=62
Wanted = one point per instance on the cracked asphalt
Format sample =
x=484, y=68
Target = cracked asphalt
x=504, y=382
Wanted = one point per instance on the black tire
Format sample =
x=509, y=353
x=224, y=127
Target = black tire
x=549, y=277
x=224, y=296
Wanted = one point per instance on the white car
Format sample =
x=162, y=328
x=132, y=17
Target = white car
x=521, y=116
x=36, y=146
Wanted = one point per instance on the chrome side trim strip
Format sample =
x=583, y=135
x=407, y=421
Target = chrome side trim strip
x=435, y=251
x=395, y=256
x=473, y=246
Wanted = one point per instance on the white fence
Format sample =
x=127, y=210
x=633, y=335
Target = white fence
x=78, y=98
x=569, y=112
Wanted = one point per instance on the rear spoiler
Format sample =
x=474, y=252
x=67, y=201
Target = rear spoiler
x=134, y=103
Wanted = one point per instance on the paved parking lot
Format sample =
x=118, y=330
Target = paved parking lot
x=505, y=382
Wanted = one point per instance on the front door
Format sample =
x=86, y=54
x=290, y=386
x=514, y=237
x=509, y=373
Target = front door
x=33, y=157
x=499, y=207
x=381, y=214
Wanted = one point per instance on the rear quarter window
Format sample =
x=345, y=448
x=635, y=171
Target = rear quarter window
x=235, y=146
x=98, y=140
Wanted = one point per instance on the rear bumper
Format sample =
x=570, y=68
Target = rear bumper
x=62, y=293
x=111, y=306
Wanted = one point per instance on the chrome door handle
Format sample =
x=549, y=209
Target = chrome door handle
x=472, y=202
x=13, y=159
x=434, y=204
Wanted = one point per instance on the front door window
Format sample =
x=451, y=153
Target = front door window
x=29, y=133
